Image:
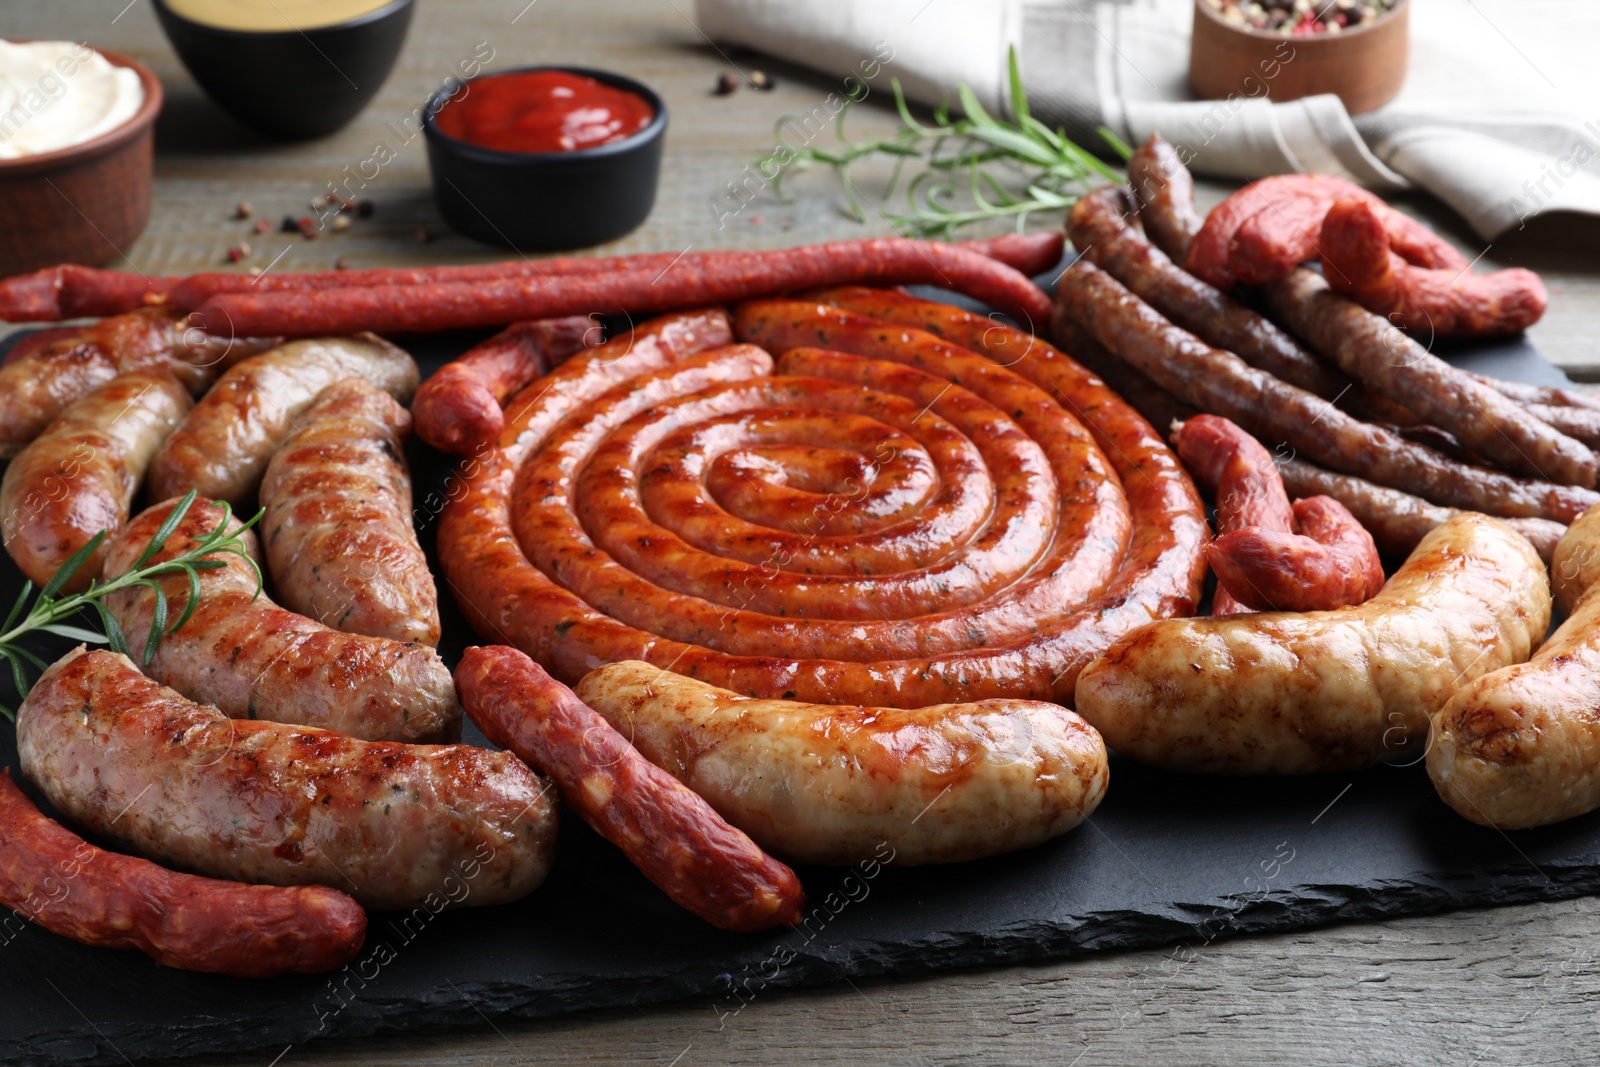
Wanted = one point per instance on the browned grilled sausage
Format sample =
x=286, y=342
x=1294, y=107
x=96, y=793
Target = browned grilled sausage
x=1280, y=693
x=1366, y=346
x=42, y=384
x=242, y=653
x=394, y=825
x=338, y=531
x=78, y=478
x=829, y=783
x=51, y=876
x=1275, y=411
x=222, y=448
x=1521, y=747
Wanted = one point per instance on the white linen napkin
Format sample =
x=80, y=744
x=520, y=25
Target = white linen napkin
x=1491, y=120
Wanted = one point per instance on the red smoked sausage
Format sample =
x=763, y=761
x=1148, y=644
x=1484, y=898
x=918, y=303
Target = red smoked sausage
x=695, y=279
x=666, y=829
x=51, y=876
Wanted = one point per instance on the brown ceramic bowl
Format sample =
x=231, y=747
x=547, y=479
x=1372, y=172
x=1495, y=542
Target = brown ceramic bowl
x=1364, y=67
x=86, y=203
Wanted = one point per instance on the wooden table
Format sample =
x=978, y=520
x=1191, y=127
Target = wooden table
x=1514, y=985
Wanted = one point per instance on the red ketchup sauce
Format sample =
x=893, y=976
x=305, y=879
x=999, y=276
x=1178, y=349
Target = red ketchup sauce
x=542, y=111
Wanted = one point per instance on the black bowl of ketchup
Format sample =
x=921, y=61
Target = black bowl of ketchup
x=546, y=158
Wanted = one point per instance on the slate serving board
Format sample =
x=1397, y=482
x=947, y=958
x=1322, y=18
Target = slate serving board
x=1167, y=858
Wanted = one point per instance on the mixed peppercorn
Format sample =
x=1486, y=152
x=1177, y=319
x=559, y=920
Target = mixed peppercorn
x=1300, y=18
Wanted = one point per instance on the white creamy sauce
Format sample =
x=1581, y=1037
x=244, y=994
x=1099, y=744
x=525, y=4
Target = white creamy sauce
x=56, y=94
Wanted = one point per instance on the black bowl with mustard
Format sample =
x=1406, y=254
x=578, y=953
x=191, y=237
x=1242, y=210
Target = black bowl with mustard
x=291, y=69
x=546, y=158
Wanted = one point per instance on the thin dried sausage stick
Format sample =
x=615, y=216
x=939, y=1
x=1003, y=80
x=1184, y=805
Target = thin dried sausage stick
x=1357, y=262
x=70, y=291
x=1521, y=747
x=697, y=279
x=1165, y=192
x=39, y=386
x=222, y=448
x=1276, y=693
x=1031, y=254
x=1553, y=396
x=242, y=653
x=1160, y=408
x=1099, y=226
x=668, y=831
x=341, y=545
x=836, y=783
x=1368, y=347
x=51, y=876
x=458, y=409
x=78, y=477
x=1397, y=521
x=394, y=825
x=1221, y=383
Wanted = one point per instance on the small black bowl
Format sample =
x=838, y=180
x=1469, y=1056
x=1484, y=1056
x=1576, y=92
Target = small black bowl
x=547, y=201
x=292, y=84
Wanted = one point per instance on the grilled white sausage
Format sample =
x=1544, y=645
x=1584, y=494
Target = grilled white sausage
x=1279, y=693
x=834, y=784
x=1521, y=747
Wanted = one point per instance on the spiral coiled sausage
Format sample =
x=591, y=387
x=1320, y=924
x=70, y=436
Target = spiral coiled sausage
x=895, y=517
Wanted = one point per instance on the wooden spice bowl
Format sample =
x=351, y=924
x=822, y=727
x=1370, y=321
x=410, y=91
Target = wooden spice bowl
x=1364, y=67
x=85, y=203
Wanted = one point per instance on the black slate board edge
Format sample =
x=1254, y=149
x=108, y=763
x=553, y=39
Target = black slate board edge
x=459, y=1002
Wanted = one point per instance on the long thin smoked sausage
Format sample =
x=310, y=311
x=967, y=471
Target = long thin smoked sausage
x=51, y=876
x=666, y=829
x=1165, y=192
x=1397, y=521
x=1031, y=254
x=458, y=409
x=697, y=279
x=1275, y=411
x=71, y=291
x=1100, y=226
x=1368, y=347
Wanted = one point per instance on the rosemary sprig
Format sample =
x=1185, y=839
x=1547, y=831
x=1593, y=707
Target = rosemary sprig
x=50, y=608
x=1050, y=169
